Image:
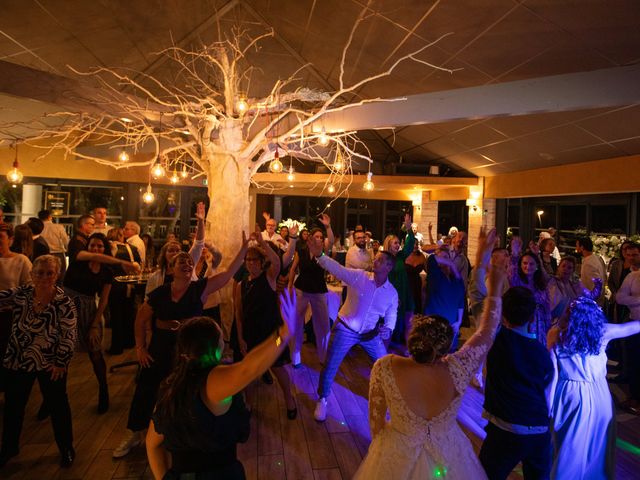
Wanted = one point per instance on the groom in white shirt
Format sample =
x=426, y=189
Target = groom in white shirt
x=358, y=319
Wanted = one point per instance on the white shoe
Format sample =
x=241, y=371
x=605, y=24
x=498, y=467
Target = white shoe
x=129, y=442
x=320, y=413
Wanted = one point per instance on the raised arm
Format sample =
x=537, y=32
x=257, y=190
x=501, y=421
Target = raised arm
x=492, y=313
x=198, y=244
x=409, y=239
x=227, y=380
x=621, y=330
x=237, y=306
x=84, y=256
x=289, y=254
x=329, y=241
x=274, y=259
x=292, y=270
x=220, y=280
x=433, y=245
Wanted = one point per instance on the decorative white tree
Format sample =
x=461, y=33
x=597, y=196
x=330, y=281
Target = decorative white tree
x=204, y=124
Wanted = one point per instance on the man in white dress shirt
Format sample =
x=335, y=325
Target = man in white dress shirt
x=592, y=265
x=56, y=237
x=357, y=323
x=269, y=234
x=131, y=233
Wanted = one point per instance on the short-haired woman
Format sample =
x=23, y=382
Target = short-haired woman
x=40, y=347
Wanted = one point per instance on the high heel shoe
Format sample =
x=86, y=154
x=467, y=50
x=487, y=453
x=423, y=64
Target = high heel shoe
x=103, y=399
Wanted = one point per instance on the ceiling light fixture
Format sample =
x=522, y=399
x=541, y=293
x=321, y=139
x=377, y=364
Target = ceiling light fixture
x=184, y=173
x=123, y=156
x=275, y=166
x=174, y=177
x=368, y=185
x=148, y=196
x=323, y=138
x=157, y=170
x=14, y=176
x=291, y=176
x=331, y=188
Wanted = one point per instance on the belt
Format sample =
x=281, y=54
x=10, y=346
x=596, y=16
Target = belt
x=368, y=335
x=168, y=324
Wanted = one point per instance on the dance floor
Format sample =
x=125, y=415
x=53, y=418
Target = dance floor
x=277, y=449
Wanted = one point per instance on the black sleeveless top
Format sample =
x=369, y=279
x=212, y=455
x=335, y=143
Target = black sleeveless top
x=311, y=278
x=205, y=442
x=260, y=312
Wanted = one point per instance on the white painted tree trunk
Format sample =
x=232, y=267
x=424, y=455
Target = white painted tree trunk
x=228, y=216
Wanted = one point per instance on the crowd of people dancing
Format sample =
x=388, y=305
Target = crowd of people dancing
x=538, y=347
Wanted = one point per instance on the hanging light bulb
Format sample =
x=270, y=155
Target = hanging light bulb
x=291, y=176
x=275, y=166
x=123, y=156
x=15, y=175
x=148, y=196
x=184, y=173
x=174, y=178
x=368, y=185
x=331, y=188
x=323, y=138
x=241, y=105
x=157, y=170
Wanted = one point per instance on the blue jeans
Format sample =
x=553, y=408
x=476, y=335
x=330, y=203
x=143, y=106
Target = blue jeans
x=342, y=340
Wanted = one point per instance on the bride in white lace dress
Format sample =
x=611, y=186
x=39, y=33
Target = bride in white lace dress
x=422, y=439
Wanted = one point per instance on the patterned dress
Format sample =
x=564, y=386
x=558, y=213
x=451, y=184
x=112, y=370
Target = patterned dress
x=39, y=340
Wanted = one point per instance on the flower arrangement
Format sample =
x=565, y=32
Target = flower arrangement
x=290, y=223
x=609, y=246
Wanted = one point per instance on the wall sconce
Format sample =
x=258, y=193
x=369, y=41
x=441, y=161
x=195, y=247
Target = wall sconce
x=472, y=203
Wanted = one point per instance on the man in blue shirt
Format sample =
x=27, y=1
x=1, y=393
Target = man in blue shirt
x=519, y=377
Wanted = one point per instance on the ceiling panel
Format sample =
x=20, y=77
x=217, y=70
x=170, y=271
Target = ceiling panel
x=619, y=124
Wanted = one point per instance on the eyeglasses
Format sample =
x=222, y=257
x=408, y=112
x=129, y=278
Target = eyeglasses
x=45, y=273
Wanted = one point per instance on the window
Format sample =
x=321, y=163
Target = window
x=161, y=217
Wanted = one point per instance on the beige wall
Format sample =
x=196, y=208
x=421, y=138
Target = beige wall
x=614, y=175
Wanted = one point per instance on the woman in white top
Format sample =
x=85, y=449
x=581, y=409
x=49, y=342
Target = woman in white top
x=15, y=271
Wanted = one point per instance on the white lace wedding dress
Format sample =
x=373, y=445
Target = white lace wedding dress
x=412, y=447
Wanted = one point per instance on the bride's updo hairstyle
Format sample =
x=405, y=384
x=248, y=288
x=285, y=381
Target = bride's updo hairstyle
x=430, y=338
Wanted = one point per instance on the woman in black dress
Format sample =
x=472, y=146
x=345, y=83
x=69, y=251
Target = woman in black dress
x=200, y=417
x=82, y=282
x=257, y=311
x=168, y=305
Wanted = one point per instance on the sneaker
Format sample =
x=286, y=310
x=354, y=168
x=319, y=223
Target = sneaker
x=129, y=442
x=320, y=413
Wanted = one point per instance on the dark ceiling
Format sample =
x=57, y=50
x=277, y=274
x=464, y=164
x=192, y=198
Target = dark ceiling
x=492, y=42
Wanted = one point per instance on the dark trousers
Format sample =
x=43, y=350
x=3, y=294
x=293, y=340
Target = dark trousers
x=632, y=364
x=502, y=451
x=16, y=396
x=122, y=313
x=162, y=350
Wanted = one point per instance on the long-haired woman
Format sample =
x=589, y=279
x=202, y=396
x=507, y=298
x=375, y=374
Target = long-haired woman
x=399, y=279
x=528, y=273
x=82, y=282
x=582, y=409
x=200, y=417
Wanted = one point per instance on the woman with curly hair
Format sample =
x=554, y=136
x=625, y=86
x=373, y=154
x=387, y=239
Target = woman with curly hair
x=581, y=405
x=423, y=394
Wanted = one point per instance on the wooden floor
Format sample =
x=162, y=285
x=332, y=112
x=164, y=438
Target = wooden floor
x=277, y=449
